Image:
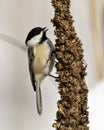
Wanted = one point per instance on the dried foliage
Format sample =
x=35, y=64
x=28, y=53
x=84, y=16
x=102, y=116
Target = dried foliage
x=72, y=111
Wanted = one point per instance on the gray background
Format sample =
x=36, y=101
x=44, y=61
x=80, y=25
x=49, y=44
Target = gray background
x=17, y=99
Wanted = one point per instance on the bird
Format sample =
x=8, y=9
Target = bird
x=41, y=60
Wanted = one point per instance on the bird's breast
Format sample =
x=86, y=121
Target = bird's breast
x=41, y=52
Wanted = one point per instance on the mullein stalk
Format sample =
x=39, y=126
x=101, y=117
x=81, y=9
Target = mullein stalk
x=72, y=111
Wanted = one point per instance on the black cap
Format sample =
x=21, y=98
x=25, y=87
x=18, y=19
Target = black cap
x=34, y=32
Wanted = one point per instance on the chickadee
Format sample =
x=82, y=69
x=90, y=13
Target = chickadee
x=41, y=60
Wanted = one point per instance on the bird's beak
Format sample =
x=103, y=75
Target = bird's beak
x=45, y=29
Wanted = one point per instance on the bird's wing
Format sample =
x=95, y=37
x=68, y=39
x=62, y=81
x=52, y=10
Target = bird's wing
x=31, y=58
x=50, y=45
x=51, y=57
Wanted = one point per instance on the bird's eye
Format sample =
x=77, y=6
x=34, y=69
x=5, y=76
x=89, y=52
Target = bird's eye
x=38, y=31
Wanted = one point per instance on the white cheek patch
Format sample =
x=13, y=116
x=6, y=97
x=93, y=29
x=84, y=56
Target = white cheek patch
x=35, y=40
x=31, y=43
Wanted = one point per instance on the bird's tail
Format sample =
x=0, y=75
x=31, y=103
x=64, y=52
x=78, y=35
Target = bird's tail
x=39, y=99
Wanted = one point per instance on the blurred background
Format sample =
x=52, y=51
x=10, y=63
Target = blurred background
x=17, y=99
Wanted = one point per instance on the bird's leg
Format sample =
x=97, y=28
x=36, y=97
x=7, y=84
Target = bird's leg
x=52, y=76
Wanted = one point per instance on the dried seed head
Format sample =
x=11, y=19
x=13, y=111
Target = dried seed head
x=72, y=111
